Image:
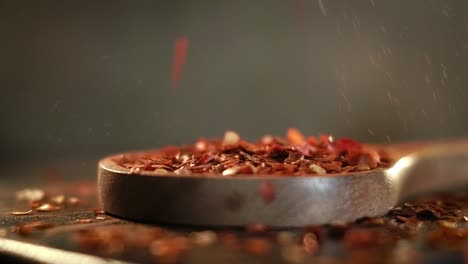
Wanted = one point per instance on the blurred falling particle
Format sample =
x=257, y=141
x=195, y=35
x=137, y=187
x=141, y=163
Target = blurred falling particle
x=180, y=55
x=300, y=13
x=371, y=132
x=322, y=7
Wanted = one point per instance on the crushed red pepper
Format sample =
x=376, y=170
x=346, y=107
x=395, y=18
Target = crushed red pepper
x=296, y=155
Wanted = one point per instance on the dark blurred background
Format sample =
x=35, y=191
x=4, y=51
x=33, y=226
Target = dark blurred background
x=84, y=79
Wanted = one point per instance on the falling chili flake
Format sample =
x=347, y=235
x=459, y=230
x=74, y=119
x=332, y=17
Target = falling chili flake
x=180, y=55
x=300, y=14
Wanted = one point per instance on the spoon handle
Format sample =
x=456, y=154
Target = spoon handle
x=433, y=167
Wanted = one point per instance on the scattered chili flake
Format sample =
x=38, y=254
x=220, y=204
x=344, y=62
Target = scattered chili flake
x=230, y=239
x=73, y=201
x=106, y=240
x=258, y=246
x=84, y=220
x=143, y=238
x=231, y=156
x=47, y=208
x=359, y=238
x=21, y=212
x=28, y=228
x=98, y=211
x=35, y=204
x=204, y=238
x=310, y=243
x=169, y=250
x=58, y=199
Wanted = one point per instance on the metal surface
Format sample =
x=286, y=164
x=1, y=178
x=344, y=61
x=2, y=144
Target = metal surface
x=49, y=255
x=236, y=201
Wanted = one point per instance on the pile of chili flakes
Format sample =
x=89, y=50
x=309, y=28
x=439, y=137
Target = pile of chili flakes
x=294, y=155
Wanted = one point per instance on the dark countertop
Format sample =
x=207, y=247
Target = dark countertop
x=428, y=238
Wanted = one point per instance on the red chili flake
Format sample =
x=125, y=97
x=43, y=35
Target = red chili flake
x=58, y=199
x=295, y=137
x=206, y=158
x=98, y=211
x=144, y=239
x=258, y=246
x=84, y=220
x=21, y=212
x=312, y=141
x=359, y=238
x=230, y=239
x=300, y=14
x=310, y=243
x=267, y=192
x=270, y=156
x=304, y=149
x=47, y=208
x=325, y=139
x=73, y=201
x=169, y=250
x=334, y=166
x=204, y=238
x=35, y=204
x=317, y=231
x=28, y=228
x=181, y=45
